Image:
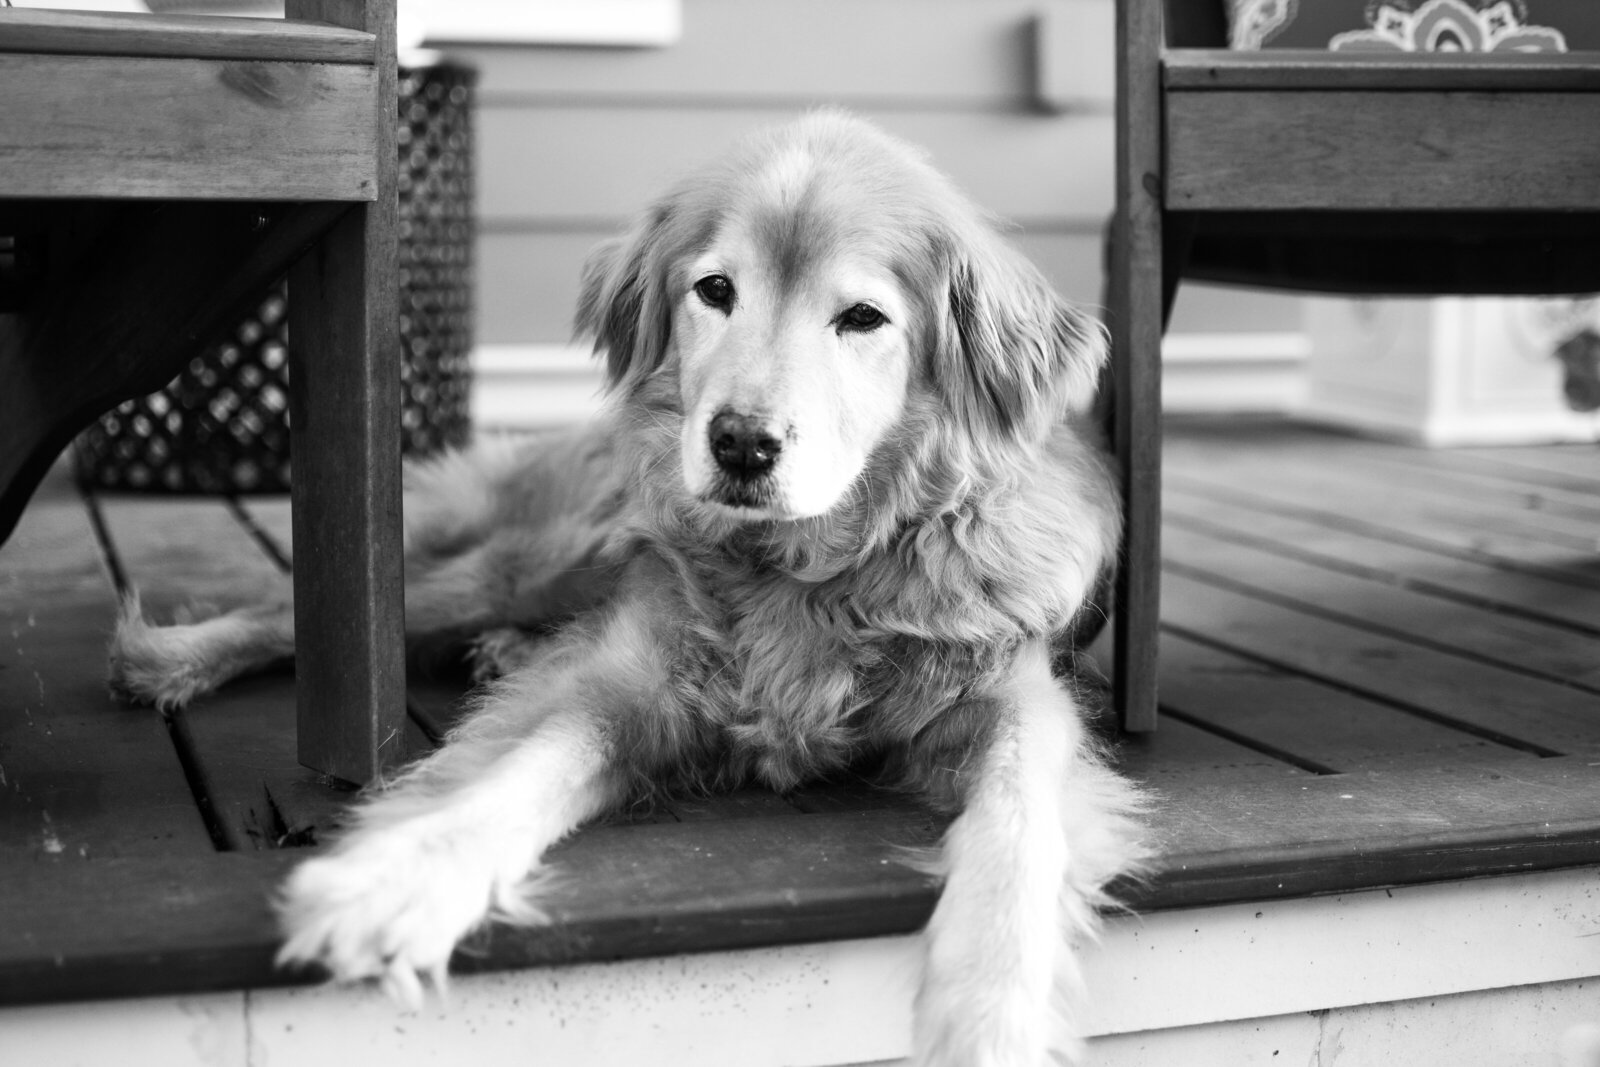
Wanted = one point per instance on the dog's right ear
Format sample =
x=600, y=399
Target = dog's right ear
x=622, y=302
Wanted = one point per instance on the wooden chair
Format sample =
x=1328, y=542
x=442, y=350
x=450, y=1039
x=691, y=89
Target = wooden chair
x=1387, y=174
x=155, y=173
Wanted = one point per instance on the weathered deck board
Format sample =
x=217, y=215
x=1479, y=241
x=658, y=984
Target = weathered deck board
x=1381, y=811
x=244, y=738
x=137, y=926
x=194, y=924
x=273, y=520
x=190, y=554
x=1487, y=484
x=187, y=554
x=1473, y=480
x=1436, y=570
x=1330, y=726
x=81, y=778
x=1270, y=474
x=1367, y=649
x=1514, y=708
x=678, y=887
x=1570, y=466
x=1511, y=644
x=1413, y=799
x=1422, y=505
x=1359, y=606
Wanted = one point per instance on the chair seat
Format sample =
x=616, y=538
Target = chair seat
x=168, y=108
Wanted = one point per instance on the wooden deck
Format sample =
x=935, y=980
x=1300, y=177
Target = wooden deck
x=1378, y=668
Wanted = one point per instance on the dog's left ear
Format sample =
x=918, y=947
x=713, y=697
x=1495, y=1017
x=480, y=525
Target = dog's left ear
x=1014, y=356
x=622, y=301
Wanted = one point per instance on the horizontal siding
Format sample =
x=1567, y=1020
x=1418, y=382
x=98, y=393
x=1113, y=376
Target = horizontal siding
x=907, y=53
x=561, y=164
x=1012, y=99
x=528, y=285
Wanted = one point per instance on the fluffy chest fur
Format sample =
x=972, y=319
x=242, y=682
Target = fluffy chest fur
x=880, y=627
x=792, y=669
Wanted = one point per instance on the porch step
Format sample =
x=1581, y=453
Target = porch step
x=1486, y=973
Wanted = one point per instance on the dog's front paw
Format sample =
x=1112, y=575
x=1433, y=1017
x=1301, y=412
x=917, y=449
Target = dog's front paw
x=387, y=907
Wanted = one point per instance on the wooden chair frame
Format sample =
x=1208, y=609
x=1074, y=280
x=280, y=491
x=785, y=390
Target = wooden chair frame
x=1321, y=171
x=174, y=166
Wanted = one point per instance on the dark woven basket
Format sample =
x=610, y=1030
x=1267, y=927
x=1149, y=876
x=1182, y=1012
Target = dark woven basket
x=222, y=426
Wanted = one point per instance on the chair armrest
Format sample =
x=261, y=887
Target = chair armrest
x=1290, y=69
x=98, y=33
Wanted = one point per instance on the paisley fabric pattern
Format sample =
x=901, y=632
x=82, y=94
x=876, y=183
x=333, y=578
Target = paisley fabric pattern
x=1444, y=26
x=1255, y=22
x=1416, y=25
x=1450, y=26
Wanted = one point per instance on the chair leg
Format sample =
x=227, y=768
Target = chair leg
x=344, y=394
x=345, y=418
x=1136, y=313
x=1136, y=286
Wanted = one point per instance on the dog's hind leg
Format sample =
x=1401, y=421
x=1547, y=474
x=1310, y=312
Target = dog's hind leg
x=518, y=577
x=504, y=534
x=1046, y=824
x=507, y=582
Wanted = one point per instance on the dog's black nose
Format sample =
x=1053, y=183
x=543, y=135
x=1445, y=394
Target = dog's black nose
x=742, y=445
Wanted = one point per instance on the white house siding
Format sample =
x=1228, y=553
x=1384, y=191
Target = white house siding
x=573, y=140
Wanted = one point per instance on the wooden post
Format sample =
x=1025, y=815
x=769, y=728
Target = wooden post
x=1136, y=324
x=345, y=417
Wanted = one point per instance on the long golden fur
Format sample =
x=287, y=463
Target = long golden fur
x=846, y=505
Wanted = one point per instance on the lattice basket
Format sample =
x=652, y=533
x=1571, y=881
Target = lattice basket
x=222, y=426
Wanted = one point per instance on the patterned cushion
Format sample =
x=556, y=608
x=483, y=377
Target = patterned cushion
x=1416, y=25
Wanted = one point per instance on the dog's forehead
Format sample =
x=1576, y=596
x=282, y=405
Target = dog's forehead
x=803, y=253
x=807, y=208
x=788, y=176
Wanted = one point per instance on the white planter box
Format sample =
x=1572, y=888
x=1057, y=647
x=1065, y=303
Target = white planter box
x=1446, y=371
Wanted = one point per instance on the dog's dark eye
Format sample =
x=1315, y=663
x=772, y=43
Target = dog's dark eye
x=863, y=317
x=716, y=290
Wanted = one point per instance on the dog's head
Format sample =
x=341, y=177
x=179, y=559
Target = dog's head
x=808, y=292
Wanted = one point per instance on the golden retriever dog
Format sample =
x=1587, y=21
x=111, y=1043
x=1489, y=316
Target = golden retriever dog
x=847, y=506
